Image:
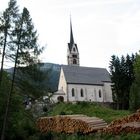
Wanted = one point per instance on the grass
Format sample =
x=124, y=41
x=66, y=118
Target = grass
x=89, y=109
x=57, y=136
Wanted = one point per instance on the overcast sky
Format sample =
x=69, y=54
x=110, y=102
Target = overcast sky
x=101, y=28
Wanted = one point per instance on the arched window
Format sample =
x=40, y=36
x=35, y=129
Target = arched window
x=74, y=49
x=74, y=61
x=73, y=92
x=100, y=95
x=82, y=93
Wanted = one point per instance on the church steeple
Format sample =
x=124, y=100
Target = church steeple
x=71, y=33
x=72, y=53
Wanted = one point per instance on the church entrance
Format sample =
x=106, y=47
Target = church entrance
x=60, y=99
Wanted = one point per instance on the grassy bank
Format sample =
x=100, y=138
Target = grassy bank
x=55, y=136
x=89, y=109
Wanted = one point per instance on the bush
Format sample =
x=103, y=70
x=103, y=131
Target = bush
x=45, y=109
x=83, y=103
x=62, y=113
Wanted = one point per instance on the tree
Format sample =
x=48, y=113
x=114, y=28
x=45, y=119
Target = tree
x=3, y=96
x=7, y=21
x=30, y=80
x=122, y=76
x=25, y=38
x=25, y=51
x=135, y=88
x=115, y=73
x=20, y=123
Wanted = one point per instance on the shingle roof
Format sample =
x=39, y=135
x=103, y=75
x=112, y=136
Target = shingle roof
x=85, y=75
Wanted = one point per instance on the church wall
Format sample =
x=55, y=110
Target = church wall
x=90, y=93
x=54, y=98
x=108, y=92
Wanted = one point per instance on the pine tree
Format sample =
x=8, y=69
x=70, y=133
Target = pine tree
x=115, y=78
x=122, y=76
x=135, y=88
x=7, y=20
x=25, y=51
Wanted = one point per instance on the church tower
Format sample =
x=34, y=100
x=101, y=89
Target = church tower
x=72, y=51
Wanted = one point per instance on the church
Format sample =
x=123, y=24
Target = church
x=77, y=83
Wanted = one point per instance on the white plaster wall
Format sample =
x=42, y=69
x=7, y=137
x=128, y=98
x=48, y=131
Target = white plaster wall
x=91, y=93
x=62, y=82
x=108, y=92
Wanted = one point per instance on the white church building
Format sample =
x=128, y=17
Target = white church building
x=78, y=83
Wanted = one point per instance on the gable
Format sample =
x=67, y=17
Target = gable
x=62, y=81
x=70, y=46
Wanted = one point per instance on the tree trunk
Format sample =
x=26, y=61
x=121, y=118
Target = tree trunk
x=3, y=55
x=10, y=95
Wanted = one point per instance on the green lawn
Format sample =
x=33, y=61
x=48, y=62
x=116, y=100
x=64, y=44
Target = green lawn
x=89, y=109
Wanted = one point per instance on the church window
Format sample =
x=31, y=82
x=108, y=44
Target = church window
x=100, y=95
x=74, y=61
x=73, y=92
x=74, y=49
x=82, y=93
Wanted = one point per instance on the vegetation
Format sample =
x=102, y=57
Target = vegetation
x=125, y=76
x=77, y=136
x=122, y=76
x=19, y=44
x=135, y=88
x=7, y=19
x=20, y=122
x=30, y=81
x=89, y=109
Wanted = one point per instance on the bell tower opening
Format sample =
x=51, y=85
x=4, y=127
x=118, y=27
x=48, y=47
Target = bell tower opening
x=74, y=61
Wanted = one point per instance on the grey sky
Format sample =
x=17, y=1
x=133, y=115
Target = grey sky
x=101, y=28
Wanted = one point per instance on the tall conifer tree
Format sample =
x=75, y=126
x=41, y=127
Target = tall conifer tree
x=122, y=76
x=7, y=20
x=24, y=51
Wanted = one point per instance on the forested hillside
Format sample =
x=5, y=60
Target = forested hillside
x=52, y=71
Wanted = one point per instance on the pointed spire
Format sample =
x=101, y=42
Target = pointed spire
x=71, y=33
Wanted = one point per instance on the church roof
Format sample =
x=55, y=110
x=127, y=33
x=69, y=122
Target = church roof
x=85, y=75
